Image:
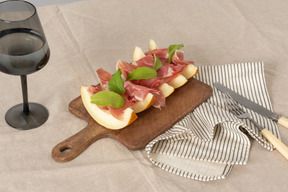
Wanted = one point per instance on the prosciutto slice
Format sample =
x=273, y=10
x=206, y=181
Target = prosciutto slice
x=126, y=68
x=93, y=89
x=115, y=112
x=168, y=71
x=139, y=92
x=104, y=77
x=178, y=58
x=133, y=92
x=150, y=84
x=161, y=53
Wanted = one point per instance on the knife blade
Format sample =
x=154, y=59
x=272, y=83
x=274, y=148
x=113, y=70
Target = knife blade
x=252, y=105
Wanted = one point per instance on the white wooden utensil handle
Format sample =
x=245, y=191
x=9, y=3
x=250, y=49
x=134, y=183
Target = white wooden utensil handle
x=283, y=121
x=281, y=147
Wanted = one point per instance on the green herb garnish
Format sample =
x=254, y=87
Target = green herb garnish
x=141, y=73
x=172, y=49
x=116, y=83
x=108, y=98
x=157, y=63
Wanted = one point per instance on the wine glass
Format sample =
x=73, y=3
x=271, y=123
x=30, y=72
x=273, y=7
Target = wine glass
x=23, y=50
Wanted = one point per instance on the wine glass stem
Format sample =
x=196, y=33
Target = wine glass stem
x=25, y=94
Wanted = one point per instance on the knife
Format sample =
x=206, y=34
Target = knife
x=253, y=106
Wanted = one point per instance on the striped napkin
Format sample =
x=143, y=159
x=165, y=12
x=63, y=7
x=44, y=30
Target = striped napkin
x=206, y=143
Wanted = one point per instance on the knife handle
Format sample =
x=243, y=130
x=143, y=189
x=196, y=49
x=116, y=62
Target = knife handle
x=281, y=147
x=283, y=121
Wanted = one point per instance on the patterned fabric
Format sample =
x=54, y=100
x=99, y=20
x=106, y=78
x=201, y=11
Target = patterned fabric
x=206, y=143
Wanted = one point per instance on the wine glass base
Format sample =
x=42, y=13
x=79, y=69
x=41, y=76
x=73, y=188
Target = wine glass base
x=16, y=118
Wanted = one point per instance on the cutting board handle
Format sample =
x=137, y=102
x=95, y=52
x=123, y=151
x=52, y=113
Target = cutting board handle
x=76, y=144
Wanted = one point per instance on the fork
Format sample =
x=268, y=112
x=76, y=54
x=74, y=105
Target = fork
x=238, y=111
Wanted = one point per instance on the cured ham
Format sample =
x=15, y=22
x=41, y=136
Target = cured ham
x=136, y=92
x=126, y=68
x=133, y=92
x=139, y=92
x=149, y=84
x=93, y=89
x=117, y=113
x=104, y=77
x=168, y=70
x=161, y=53
x=178, y=58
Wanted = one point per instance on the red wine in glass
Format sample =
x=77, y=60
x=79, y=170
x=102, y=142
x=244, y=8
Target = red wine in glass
x=23, y=50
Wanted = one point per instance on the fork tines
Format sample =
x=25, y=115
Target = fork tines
x=232, y=105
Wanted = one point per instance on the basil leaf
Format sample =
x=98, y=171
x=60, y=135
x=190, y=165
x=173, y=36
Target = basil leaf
x=108, y=98
x=116, y=83
x=157, y=63
x=141, y=73
x=172, y=49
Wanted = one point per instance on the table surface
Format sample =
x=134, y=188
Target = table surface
x=84, y=36
x=39, y=3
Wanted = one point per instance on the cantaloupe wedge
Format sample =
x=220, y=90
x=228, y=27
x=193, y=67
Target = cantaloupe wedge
x=137, y=54
x=145, y=104
x=152, y=45
x=178, y=81
x=189, y=71
x=103, y=117
x=166, y=89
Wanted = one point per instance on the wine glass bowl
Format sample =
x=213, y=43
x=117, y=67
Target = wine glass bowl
x=23, y=50
x=23, y=47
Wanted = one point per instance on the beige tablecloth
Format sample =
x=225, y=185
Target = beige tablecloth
x=84, y=36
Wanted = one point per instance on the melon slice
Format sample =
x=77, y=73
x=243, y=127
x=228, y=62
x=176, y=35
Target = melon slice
x=152, y=45
x=166, y=89
x=137, y=54
x=178, y=81
x=145, y=104
x=189, y=71
x=103, y=117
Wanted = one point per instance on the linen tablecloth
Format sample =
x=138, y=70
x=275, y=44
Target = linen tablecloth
x=85, y=36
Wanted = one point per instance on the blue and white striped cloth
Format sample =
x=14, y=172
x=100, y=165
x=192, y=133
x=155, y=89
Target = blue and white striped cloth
x=206, y=143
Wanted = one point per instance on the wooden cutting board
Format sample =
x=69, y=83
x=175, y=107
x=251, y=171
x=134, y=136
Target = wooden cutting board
x=150, y=123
